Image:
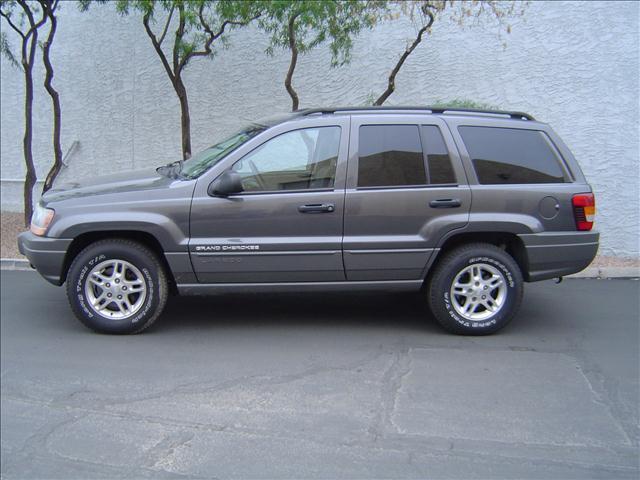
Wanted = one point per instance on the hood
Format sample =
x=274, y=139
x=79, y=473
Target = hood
x=137, y=180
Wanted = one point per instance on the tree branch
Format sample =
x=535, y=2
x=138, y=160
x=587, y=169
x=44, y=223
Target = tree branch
x=27, y=59
x=391, y=84
x=12, y=25
x=211, y=36
x=295, y=101
x=166, y=26
x=156, y=46
x=178, y=40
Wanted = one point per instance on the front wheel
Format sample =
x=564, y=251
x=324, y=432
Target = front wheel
x=475, y=289
x=117, y=286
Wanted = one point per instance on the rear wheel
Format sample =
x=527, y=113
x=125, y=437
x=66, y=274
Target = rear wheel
x=475, y=289
x=117, y=286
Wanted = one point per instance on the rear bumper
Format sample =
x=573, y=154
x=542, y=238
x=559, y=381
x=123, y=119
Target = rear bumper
x=46, y=255
x=555, y=254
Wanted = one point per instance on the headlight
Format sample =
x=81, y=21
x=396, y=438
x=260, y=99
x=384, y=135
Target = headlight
x=41, y=219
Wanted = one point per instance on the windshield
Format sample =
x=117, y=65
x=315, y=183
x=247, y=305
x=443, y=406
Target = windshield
x=203, y=161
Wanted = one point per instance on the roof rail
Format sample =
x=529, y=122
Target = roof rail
x=435, y=110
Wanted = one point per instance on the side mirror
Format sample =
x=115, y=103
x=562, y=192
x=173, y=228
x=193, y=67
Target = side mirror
x=226, y=184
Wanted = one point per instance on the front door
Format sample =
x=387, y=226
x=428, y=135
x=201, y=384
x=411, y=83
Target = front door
x=287, y=224
x=406, y=189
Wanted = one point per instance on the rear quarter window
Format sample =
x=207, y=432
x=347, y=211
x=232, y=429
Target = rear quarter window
x=511, y=155
x=438, y=160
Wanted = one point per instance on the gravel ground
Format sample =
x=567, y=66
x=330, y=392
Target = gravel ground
x=12, y=224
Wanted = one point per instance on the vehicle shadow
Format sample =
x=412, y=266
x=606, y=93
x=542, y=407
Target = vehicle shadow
x=408, y=311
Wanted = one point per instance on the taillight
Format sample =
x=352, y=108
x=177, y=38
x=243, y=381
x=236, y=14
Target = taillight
x=584, y=210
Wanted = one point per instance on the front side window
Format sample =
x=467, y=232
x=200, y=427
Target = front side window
x=511, y=155
x=203, y=161
x=390, y=155
x=297, y=160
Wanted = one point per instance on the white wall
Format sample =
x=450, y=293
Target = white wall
x=574, y=65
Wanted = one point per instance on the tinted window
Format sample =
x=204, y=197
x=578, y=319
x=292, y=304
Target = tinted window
x=438, y=161
x=390, y=155
x=509, y=155
x=297, y=160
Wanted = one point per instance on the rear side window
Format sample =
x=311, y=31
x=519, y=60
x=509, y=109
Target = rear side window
x=510, y=155
x=390, y=155
x=438, y=160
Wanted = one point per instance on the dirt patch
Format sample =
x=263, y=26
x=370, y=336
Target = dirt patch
x=12, y=224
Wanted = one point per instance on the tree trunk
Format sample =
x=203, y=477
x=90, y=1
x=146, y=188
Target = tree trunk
x=185, y=118
x=30, y=176
x=55, y=100
x=391, y=84
x=292, y=65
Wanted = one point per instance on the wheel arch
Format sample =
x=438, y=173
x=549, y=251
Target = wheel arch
x=147, y=239
x=508, y=241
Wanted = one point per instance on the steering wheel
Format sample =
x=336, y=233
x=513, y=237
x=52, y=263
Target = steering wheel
x=256, y=174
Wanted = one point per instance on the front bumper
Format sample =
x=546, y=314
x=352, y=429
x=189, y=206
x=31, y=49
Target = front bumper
x=45, y=254
x=555, y=254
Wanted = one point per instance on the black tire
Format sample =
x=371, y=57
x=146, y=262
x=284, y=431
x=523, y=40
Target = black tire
x=153, y=277
x=441, y=281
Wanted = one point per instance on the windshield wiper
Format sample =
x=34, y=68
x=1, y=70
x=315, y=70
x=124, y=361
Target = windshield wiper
x=179, y=169
x=171, y=169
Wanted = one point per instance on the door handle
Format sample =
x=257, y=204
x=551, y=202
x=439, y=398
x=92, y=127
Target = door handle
x=445, y=203
x=317, y=208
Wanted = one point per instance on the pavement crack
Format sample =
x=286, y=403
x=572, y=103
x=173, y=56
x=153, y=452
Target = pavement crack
x=197, y=387
x=607, y=399
x=162, y=455
x=37, y=442
x=392, y=381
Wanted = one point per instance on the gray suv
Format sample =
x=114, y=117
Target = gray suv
x=462, y=205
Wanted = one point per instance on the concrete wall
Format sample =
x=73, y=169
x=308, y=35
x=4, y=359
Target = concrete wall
x=574, y=65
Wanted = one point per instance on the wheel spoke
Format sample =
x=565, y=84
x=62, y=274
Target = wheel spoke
x=127, y=303
x=490, y=306
x=98, y=278
x=460, y=290
x=99, y=298
x=133, y=285
x=101, y=306
x=118, y=269
x=495, y=281
x=470, y=307
x=97, y=281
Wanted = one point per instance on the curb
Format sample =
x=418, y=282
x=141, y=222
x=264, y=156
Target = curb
x=607, y=272
x=14, y=264
x=20, y=264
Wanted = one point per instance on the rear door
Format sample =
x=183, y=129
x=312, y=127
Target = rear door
x=287, y=224
x=406, y=188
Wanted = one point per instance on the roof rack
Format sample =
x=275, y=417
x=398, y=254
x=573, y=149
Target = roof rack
x=434, y=110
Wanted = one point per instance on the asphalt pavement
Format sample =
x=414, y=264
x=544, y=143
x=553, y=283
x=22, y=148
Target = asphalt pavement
x=322, y=386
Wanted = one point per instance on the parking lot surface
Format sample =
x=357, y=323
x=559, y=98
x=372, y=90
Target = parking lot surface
x=322, y=386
